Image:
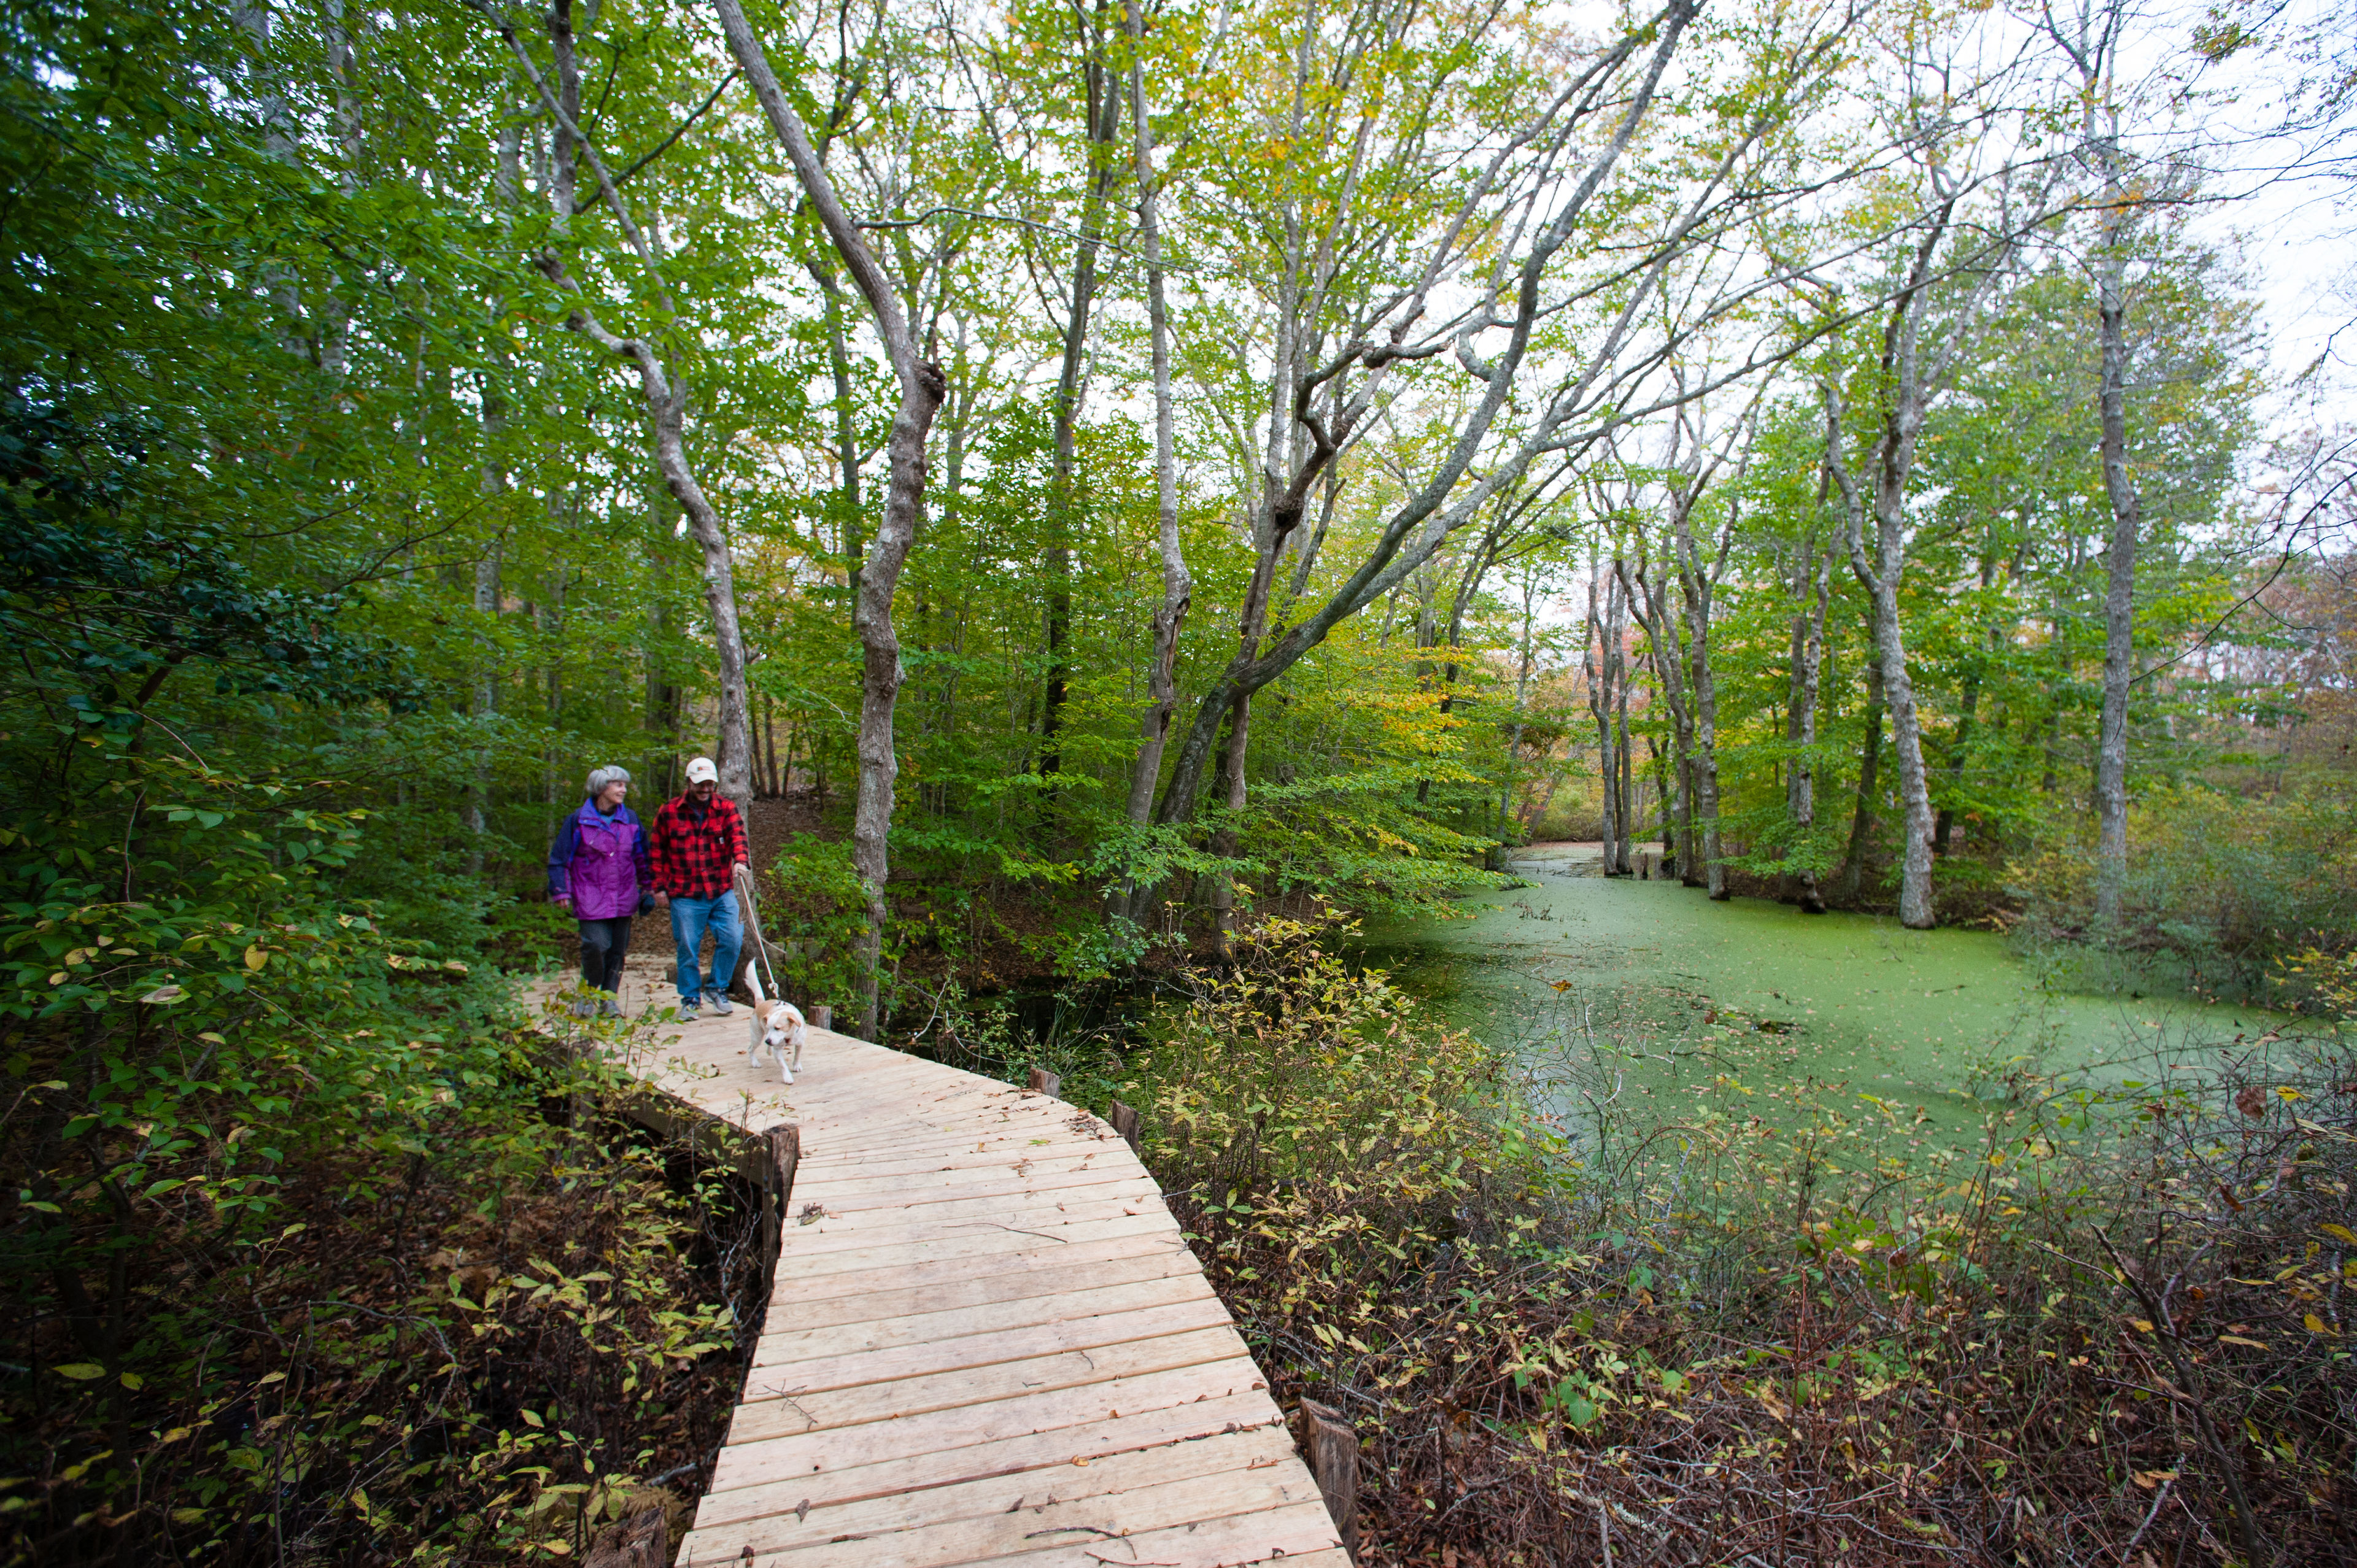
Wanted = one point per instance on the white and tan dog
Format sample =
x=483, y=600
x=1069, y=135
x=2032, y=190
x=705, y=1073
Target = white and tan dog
x=781, y=1034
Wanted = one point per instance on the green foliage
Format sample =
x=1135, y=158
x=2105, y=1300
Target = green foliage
x=1309, y=1108
x=458, y=1334
x=817, y=911
x=2223, y=891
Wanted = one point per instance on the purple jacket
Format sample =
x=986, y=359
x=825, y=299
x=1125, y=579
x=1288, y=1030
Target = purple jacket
x=601, y=862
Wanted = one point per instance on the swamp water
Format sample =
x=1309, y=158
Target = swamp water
x=1643, y=1001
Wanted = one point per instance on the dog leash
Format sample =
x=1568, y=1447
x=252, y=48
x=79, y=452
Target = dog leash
x=752, y=908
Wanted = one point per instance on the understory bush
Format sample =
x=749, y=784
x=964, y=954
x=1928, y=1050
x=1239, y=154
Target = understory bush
x=2221, y=889
x=2111, y=1330
x=480, y=1335
x=309, y=1251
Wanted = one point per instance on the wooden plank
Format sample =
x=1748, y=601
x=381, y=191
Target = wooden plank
x=986, y=1125
x=884, y=1297
x=975, y=1242
x=918, y=1271
x=1062, y=1169
x=867, y=1367
x=978, y=1197
x=1236, y=1461
x=1036, y=1432
x=1237, y=1541
x=809, y=1239
x=994, y=1478
x=780, y=1413
x=1180, y=1524
x=857, y=1152
x=1002, y=1124
x=790, y=1347
x=847, y=1177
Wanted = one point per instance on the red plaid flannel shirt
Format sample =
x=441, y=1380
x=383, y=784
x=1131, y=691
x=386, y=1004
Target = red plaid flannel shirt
x=697, y=858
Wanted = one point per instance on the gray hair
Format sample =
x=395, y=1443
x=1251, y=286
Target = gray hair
x=601, y=777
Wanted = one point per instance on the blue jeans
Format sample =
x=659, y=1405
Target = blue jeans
x=689, y=918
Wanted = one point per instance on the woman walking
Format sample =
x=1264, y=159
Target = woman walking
x=599, y=866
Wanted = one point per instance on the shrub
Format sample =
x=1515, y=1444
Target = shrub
x=296, y=1267
x=816, y=909
x=2221, y=890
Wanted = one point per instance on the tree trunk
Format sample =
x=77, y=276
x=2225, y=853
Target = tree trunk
x=1915, y=910
x=922, y=387
x=1521, y=704
x=1618, y=632
x=1808, y=663
x=486, y=690
x=1945, y=830
x=1906, y=395
x=1599, y=706
x=1696, y=581
x=1650, y=601
x=1101, y=107
x=2119, y=599
x=848, y=521
x=735, y=738
x=1861, y=825
x=1177, y=584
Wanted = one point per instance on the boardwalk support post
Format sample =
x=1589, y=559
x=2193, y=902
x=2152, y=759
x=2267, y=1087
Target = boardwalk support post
x=1047, y=1083
x=785, y=1146
x=1334, y=1461
x=1125, y=1121
x=642, y=1540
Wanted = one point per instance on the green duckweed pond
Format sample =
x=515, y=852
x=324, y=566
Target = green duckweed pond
x=1619, y=991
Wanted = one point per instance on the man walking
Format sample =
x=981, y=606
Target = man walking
x=699, y=842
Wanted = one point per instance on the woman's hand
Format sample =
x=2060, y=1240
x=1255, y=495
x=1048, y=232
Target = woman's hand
x=562, y=901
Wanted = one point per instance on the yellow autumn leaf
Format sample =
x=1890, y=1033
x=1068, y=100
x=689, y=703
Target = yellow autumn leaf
x=2141, y=1324
x=2238, y=1340
x=255, y=958
x=2339, y=1232
x=2316, y=1324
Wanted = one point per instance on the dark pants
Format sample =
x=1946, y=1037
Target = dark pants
x=603, y=945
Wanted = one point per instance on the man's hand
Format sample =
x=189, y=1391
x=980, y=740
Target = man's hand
x=663, y=900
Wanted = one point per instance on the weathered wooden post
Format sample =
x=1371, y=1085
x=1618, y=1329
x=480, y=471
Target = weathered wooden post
x=784, y=1143
x=643, y=1541
x=1045, y=1082
x=1125, y=1121
x=1334, y=1461
x=823, y=1017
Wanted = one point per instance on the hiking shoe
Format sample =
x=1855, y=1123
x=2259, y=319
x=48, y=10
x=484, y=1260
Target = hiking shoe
x=718, y=1006
x=609, y=1008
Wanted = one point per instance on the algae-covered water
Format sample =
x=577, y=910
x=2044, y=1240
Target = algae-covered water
x=1647, y=988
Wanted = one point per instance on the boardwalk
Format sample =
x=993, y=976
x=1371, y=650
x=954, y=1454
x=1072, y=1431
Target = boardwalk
x=987, y=1341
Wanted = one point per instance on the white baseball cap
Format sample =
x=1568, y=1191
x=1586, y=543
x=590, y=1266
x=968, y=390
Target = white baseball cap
x=701, y=771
